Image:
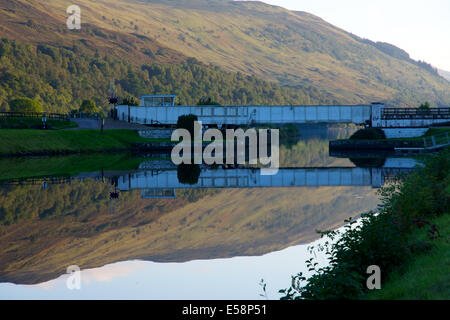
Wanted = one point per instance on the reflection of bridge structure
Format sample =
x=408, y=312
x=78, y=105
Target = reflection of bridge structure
x=42, y=181
x=159, y=183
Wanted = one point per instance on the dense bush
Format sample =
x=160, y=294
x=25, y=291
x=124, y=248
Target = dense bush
x=187, y=122
x=207, y=101
x=130, y=101
x=88, y=106
x=25, y=105
x=378, y=238
x=368, y=134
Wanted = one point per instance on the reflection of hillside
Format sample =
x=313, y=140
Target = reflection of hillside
x=310, y=153
x=67, y=225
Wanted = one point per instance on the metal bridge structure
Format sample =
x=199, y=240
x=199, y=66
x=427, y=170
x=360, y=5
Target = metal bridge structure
x=161, y=110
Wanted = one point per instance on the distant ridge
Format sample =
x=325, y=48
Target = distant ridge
x=445, y=74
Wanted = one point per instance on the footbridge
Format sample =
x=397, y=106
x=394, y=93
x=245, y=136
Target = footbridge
x=161, y=110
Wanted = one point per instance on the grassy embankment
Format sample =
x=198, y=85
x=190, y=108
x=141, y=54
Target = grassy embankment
x=51, y=142
x=34, y=123
x=426, y=276
x=29, y=142
x=408, y=238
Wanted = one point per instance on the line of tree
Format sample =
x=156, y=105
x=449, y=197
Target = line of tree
x=61, y=78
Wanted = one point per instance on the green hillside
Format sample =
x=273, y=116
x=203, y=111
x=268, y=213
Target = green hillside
x=293, y=49
x=62, y=77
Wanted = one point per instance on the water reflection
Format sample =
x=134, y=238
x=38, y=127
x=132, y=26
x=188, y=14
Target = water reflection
x=162, y=214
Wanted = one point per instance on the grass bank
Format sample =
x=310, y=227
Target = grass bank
x=35, y=123
x=407, y=238
x=427, y=275
x=42, y=142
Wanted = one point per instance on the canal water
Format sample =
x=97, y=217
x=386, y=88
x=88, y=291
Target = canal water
x=135, y=235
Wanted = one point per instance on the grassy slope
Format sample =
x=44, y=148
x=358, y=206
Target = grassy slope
x=427, y=276
x=270, y=42
x=50, y=27
x=21, y=142
x=30, y=123
x=445, y=74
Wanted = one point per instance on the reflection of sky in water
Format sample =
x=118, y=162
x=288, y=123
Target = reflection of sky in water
x=233, y=278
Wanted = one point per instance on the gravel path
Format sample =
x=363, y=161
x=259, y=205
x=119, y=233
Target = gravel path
x=109, y=124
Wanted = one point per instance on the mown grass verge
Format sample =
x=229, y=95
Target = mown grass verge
x=407, y=233
x=42, y=142
x=35, y=123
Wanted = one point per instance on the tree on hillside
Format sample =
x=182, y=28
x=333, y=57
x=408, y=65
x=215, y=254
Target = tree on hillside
x=4, y=106
x=207, y=101
x=130, y=101
x=89, y=106
x=25, y=105
x=425, y=105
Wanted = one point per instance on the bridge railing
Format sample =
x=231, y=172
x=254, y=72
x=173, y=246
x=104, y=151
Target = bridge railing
x=415, y=113
x=437, y=141
x=59, y=116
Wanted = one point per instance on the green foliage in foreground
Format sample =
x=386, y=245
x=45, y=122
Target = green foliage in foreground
x=385, y=239
x=426, y=276
x=21, y=142
x=35, y=123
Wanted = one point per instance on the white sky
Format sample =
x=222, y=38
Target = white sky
x=421, y=27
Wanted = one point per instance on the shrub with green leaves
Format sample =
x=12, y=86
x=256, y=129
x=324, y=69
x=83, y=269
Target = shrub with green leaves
x=379, y=238
x=25, y=105
x=89, y=106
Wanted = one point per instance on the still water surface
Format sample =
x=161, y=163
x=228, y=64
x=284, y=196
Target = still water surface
x=163, y=239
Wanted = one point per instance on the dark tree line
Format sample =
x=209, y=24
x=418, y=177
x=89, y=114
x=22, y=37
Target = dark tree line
x=62, y=78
